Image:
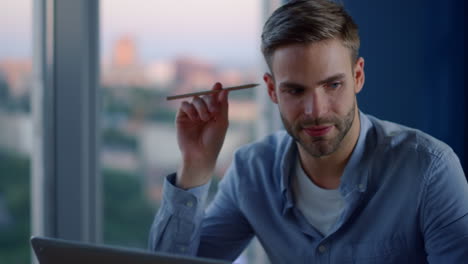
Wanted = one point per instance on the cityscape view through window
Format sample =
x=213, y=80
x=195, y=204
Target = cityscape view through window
x=159, y=49
x=15, y=129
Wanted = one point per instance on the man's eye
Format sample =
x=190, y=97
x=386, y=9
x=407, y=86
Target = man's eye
x=334, y=85
x=295, y=91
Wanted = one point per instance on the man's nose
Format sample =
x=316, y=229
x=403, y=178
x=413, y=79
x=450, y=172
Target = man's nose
x=314, y=105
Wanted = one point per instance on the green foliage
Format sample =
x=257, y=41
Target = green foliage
x=114, y=104
x=13, y=104
x=127, y=214
x=4, y=92
x=163, y=115
x=114, y=137
x=136, y=103
x=14, y=187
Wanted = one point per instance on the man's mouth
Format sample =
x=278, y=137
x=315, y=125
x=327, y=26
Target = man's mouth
x=317, y=131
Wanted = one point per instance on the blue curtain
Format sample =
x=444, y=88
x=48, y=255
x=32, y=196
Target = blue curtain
x=415, y=57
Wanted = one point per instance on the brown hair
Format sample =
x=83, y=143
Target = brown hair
x=309, y=21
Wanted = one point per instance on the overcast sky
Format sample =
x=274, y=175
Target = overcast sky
x=225, y=32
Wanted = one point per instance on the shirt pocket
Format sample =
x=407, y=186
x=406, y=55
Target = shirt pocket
x=380, y=251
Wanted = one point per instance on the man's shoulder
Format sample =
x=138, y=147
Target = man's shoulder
x=391, y=136
x=264, y=156
x=258, y=164
x=275, y=143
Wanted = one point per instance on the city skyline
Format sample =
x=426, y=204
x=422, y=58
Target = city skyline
x=156, y=48
x=226, y=33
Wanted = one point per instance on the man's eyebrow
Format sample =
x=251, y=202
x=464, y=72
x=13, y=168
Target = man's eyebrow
x=332, y=78
x=293, y=85
x=288, y=84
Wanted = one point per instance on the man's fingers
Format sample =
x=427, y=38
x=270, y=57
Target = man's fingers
x=216, y=86
x=223, y=96
x=212, y=103
x=189, y=110
x=219, y=100
x=201, y=108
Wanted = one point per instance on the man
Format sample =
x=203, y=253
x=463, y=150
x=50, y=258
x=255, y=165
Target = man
x=339, y=186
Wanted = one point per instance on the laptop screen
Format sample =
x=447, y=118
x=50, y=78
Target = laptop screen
x=57, y=251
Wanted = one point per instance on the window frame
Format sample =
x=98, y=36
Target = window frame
x=66, y=182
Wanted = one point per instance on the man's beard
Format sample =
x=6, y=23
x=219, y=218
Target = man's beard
x=321, y=146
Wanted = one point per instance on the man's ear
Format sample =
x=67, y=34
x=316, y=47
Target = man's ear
x=270, y=83
x=359, y=76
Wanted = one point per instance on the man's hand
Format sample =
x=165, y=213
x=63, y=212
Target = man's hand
x=201, y=128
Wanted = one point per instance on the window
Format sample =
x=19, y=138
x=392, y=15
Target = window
x=163, y=48
x=15, y=130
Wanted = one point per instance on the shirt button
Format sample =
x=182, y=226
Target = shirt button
x=322, y=248
x=189, y=204
x=182, y=249
x=361, y=187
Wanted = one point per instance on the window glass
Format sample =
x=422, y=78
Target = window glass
x=149, y=50
x=15, y=129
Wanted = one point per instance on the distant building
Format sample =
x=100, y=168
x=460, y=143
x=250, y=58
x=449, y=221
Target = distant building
x=16, y=132
x=243, y=111
x=17, y=74
x=160, y=153
x=230, y=77
x=119, y=159
x=125, y=69
x=180, y=75
x=194, y=74
x=158, y=146
x=160, y=74
x=125, y=53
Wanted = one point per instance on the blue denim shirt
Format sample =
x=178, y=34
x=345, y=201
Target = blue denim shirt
x=406, y=201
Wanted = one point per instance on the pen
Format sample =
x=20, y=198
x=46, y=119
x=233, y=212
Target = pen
x=246, y=86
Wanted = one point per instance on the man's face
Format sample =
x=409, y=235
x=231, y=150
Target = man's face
x=314, y=86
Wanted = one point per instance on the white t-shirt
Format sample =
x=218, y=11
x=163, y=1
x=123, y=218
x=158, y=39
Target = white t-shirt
x=321, y=207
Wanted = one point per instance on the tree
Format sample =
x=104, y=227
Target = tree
x=127, y=214
x=14, y=187
x=4, y=92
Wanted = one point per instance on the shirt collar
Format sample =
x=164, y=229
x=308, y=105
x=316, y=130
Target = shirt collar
x=355, y=176
x=287, y=165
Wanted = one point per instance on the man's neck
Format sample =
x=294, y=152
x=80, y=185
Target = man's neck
x=326, y=171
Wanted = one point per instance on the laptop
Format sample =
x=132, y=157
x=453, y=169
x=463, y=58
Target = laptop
x=58, y=251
